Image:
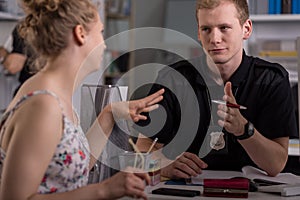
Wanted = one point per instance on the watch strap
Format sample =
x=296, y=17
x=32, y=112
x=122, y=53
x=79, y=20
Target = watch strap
x=248, y=131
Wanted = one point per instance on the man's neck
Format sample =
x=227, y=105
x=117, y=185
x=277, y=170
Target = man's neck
x=224, y=70
x=220, y=73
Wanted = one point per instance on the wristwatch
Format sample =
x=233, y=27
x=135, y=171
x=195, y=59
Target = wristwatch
x=249, y=131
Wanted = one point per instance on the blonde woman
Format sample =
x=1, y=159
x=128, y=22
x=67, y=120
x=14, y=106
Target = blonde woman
x=44, y=153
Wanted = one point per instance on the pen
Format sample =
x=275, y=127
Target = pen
x=152, y=145
x=231, y=105
x=138, y=153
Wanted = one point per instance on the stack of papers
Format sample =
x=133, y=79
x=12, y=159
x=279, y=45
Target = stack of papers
x=284, y=190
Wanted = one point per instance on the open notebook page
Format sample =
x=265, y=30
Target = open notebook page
x=254, y=173
x=248, y=172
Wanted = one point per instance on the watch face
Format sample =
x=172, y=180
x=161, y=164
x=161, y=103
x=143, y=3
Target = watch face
x=251, y=127
x=249, y=131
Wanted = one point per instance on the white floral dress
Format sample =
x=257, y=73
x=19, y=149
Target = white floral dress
x=68, y=168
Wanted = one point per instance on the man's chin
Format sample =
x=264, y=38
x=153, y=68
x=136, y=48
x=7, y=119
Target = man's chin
x=218, y=60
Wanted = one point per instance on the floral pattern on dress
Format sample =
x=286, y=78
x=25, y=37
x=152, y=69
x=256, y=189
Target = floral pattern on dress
x=68, y=168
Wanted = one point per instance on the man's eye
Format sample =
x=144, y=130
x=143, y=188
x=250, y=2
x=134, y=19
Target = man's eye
x=224, y=28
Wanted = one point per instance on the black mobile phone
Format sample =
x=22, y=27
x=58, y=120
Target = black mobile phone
x=176, y=192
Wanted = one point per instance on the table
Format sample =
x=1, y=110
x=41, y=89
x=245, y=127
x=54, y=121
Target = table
x=252, y=195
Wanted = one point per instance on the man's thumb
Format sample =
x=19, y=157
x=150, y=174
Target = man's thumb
x=227, y=89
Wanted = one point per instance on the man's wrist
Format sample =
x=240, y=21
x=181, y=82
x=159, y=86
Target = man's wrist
x=3, y=54
x=3, y=58
x=248, y=131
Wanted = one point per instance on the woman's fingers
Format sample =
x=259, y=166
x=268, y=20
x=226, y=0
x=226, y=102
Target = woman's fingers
x=144, y=176
x=150, y=108
x=154, y=101
x=154, y=98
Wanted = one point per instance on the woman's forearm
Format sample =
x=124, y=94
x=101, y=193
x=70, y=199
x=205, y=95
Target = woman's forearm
x=99, y=133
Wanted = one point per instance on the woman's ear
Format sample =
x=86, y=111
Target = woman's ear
x=79, y=34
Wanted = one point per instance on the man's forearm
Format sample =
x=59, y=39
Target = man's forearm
x=14, y=62
x=269, y=155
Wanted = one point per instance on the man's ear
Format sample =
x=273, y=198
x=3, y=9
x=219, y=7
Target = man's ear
x=79, y=34
x=199, y=36
x=247, y=28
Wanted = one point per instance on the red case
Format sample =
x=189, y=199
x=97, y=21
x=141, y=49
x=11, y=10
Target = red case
x=234, y=188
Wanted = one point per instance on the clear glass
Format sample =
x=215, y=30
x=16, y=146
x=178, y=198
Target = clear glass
x=134, y=160
x=142, y=161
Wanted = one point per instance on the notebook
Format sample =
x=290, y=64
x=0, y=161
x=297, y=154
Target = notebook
x=249, y=172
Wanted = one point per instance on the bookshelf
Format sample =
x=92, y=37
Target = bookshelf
x=282, y=31
x=118, y=18
x=275, y=30
x=275, y=18
x=274, y=39
x=143, y=13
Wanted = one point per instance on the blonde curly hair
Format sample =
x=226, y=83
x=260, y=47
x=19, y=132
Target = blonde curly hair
x=49, y=23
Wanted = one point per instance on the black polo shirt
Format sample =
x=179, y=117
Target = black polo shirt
x=264, y=88
x=261, y=86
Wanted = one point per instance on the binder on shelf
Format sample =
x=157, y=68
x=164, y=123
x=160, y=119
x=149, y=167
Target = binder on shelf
x=277, y=7
x=274, y=7
x=271, y=7
x=295, y=7
x=286, y=6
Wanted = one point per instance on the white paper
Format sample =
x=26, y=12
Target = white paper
x=283, y=190
x=247, y=172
